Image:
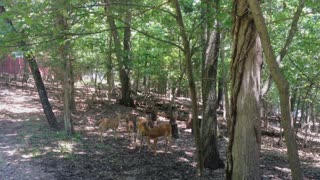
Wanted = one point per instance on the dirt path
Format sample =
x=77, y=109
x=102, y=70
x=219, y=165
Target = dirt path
x=17, y=107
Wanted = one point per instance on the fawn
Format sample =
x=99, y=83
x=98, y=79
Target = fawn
x=131, y=121
x=108, y=123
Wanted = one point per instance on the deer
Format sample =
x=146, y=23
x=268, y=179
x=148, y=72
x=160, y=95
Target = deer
x=141, y=130
x=108, y=123
x=156, y=132
x=131, y=123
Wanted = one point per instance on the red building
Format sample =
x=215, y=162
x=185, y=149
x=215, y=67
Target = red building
x=12, y=65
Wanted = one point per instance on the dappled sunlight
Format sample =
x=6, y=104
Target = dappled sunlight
x=9, y=151
x=66, y=146
x=182, y=159
x=283, y=169
x=189, y=153
x=19, y=108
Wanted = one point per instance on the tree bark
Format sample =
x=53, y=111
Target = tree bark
x=283, y=88
x=192, y=86
x=209, y=124
x=245, y=131
x=42, y=92
x=64, y=52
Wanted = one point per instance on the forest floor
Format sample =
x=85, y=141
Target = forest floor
x=30, y=150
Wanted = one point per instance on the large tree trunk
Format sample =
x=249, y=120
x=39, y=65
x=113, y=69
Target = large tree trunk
x=122, y=63
x=245, y=131
x=192, y=85
x=42, y=92
x=283, y=88
x=209, y=124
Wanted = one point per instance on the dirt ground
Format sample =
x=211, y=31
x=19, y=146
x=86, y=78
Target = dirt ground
x=30, y=150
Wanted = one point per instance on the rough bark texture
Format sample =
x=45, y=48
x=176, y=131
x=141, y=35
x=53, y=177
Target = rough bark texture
x=42, y=92
x=192, y=86
x=283, y=88
x=209, y=125
x=245, y=131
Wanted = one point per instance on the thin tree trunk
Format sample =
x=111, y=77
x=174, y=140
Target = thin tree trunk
x=192, y=85
x=42, y=92
x=122, y=64
x=72, y=89
x=283, y=88
x=220, y=93
x=296, y=112
x=285, y=48
x=226, y=113
x=110, y=78
x=245, y=129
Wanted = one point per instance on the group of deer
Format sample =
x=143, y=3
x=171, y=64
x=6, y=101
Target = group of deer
x=141, y=126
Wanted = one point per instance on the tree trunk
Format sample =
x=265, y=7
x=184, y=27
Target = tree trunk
x=173, y=112
x=245, y=131
x=110, y=78
x=220, y=94
x=122, y=59
x=296, y=112
x=67, y=98
x=64, y=52
x=283, y=88
x=173, y=117
x=192, y=85
x=209, y=124
x=293, y=99
x=72, y=89
x=42, y=92
x=285, y=48
x=225, y=83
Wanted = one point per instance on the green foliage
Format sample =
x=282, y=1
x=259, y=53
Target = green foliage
x=156, y=45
